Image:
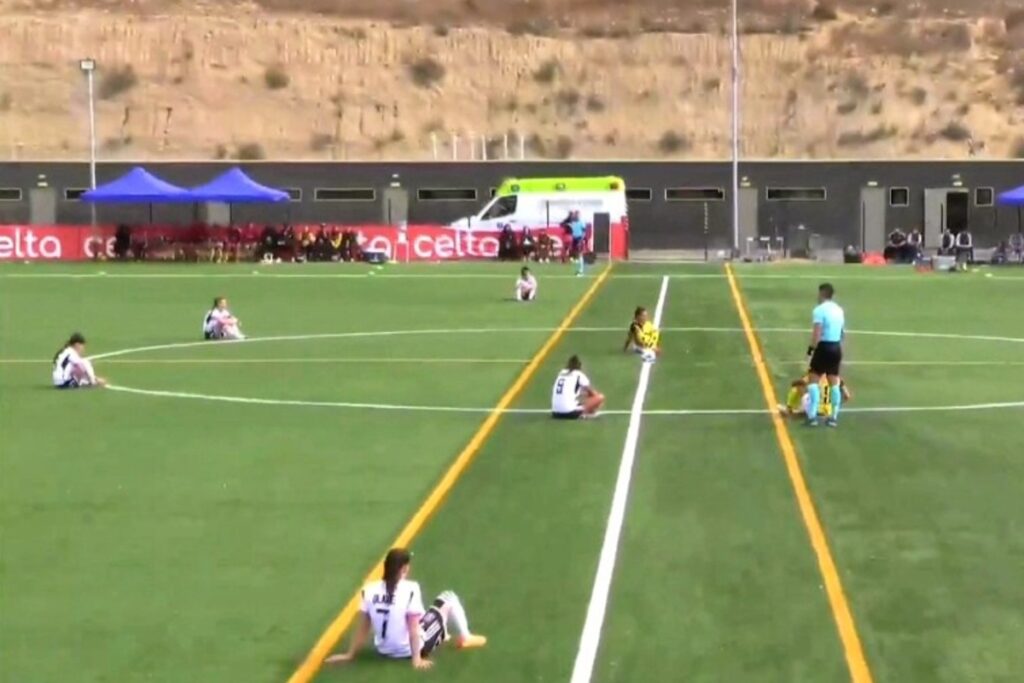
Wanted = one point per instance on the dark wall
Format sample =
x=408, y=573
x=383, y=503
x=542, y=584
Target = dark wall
x=656, y=223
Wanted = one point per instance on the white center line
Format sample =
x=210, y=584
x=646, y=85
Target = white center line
x=583, y=669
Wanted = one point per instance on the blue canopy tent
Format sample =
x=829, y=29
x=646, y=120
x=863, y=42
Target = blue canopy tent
x=137, y=186
x=235, y=187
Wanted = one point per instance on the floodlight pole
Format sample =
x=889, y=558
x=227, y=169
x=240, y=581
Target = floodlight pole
x=735, y=129
x=89, y=67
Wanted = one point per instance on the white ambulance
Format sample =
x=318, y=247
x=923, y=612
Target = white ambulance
x=546, y=202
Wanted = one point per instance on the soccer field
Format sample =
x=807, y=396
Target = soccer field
x=212, y=515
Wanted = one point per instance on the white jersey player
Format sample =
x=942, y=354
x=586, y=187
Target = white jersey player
x=573, y=396
x=526, y=286
x=392, y=609
x=71, y=369
x=220, y=324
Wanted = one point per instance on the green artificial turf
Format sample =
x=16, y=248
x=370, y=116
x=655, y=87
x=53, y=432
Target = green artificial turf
x=179, y=538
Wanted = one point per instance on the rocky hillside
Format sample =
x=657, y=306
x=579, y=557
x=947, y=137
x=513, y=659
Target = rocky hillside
x=363, y=79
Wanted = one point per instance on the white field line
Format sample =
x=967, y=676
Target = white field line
x=161, y=393
x=286, y=361
x=617, y=329
x=596, y=608
x=938, y=364
x=382, y=275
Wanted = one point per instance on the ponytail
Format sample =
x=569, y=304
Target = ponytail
x=75, y=338
x=394, y=562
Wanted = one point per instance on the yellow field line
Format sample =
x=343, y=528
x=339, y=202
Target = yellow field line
x=855, y=659
x=336, y=629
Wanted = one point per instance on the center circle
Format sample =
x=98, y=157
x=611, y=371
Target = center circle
x=382, y=406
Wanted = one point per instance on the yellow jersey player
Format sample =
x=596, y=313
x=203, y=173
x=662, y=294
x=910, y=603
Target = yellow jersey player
x=643, y=337
x=797, y=398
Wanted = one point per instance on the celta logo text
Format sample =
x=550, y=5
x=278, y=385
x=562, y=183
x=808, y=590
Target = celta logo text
x=23, y=243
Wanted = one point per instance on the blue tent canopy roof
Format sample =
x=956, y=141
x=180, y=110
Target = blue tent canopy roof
x=235, y=187
x=137, y=186
x=1013, y=197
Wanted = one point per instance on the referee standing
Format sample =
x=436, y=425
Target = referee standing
x=826, y=354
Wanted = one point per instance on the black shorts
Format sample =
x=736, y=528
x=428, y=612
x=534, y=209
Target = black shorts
x=827, y=358
x=574, y=415
x=433, y=628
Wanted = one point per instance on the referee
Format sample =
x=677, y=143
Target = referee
x=826, y=354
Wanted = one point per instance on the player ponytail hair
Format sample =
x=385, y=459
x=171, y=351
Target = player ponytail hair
x=396, y=560
x=75, y=338
x=638, y=311
x=574, y=363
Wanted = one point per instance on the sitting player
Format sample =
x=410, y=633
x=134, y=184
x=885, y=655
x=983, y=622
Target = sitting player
x=573, y=396
x=71, y=369
x=643, y=336
x=526, y=286
x=393, y=609
x=219, y=323
x=797, y=398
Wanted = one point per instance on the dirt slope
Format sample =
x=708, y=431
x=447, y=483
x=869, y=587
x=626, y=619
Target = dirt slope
x=355, y=79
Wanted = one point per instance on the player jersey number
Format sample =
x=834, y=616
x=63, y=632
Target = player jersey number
x=384, y=623
x=559, y=385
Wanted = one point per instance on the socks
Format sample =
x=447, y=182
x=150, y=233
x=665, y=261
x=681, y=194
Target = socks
x=837, y=399
x=579, y=265
x=456, y=613
x=814, y=400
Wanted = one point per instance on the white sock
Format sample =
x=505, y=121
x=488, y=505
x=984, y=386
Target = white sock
x=648, y=355
x=90, y=374
x=456, y=613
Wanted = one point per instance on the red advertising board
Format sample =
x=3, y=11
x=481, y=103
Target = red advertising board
x=415, y=243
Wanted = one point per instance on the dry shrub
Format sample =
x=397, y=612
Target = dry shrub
x=954, y=131
x=858, y=138
x=1014, y=20
x=856, y=84
x=560, y=148
x=847, y=107
x=897, y=37
x=276, y=78
x=539, y=26
x=117, y=80
x=918, y=96
x=250, y=151
x=547, y=72
x=595, y=104
x=567, y=100
x=563, y=147
x=672, y=142
x=1017, y=149
x=824, y=10
x=426, y=71
x=789, y=22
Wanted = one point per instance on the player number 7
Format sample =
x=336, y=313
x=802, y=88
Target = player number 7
x=384, y=623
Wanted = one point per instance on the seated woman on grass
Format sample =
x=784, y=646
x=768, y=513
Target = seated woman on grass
x=71, y=369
